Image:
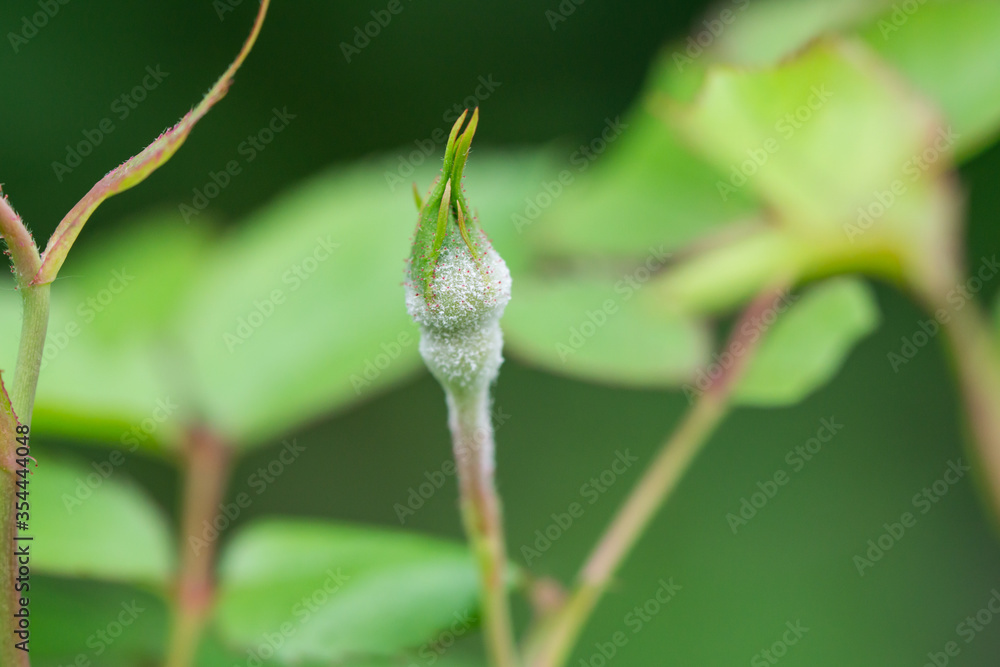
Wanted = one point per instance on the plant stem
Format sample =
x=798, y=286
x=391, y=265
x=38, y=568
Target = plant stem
x=9, y=655
x=29, y=354
x=472, y=438
x=35, y=320
x=207, y=464
x=974, y=353
x=551, y=645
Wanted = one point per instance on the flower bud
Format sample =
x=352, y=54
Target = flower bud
x=458, y=286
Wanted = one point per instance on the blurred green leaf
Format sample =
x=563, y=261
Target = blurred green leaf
x=647, y=189
x=333, y=591
x=817, y=136
x=729, y=270
x=110, y=625
x=762, y=32
x=111, y=357
x=213, y=652
x=300, y=311
x=600, y=330
x=499, y=184
x=950, y=50
x=88, y=521
x=807, y=345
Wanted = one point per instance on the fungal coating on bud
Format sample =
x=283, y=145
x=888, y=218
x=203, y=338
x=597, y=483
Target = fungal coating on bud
x=458, y=286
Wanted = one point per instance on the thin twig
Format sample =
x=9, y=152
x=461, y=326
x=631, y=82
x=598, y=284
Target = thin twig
x=206, y=473
x=974, y=352
x=551, y=644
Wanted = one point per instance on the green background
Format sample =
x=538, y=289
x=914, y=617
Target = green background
x=794, y=559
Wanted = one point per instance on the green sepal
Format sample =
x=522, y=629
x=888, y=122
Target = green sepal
x=445, y=209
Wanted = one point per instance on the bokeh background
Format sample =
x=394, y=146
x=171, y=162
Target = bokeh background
x=793, y=562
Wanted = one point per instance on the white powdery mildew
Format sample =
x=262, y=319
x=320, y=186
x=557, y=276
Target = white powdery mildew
x=463, y=360
x=461, y=341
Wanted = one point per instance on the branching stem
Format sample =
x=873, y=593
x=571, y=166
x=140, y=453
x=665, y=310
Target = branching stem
x=35, y=320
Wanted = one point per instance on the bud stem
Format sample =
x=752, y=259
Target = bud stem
x=472, y=439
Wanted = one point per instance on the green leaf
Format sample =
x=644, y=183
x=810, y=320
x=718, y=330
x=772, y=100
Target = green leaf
x=112, y=357
x=731, y=269
x=600, y=329
x=89, y=521
x=817, y=136
x=301, y=311
x=502, y=183
x=213, y=652
x=762, y=32
x=335, y=591
x=137, y=168
x=633, y=185
x=950, y=51
x=806, y=346
x=111, y=625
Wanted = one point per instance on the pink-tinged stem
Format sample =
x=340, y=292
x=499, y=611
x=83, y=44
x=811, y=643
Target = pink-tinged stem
x=206, y=472
x=35, y=311
x=472, y=437
x=554, y=639
x=974, y=352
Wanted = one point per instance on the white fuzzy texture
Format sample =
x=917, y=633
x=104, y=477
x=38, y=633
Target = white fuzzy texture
x=461, y=341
